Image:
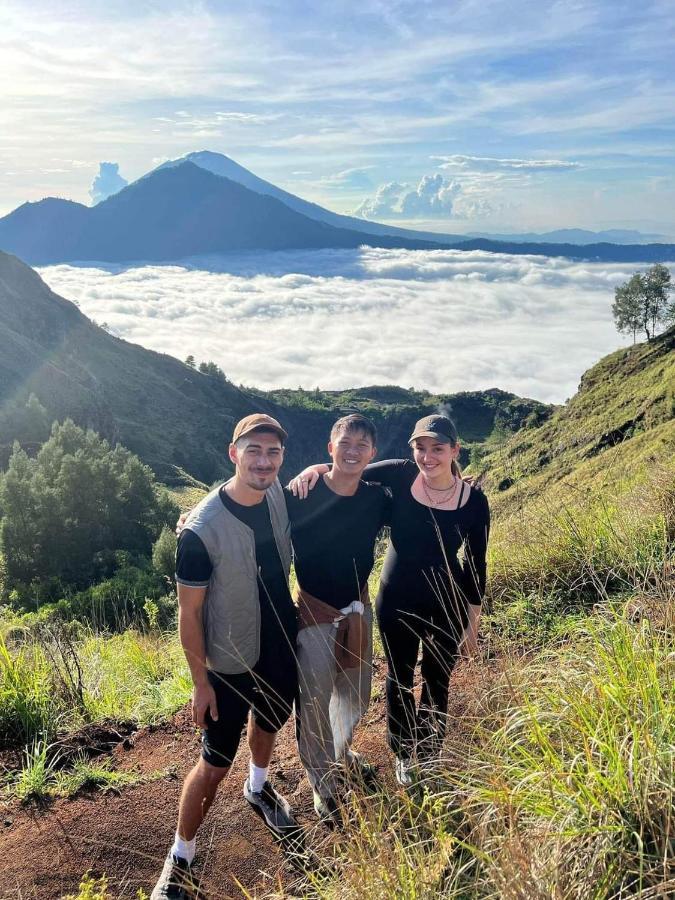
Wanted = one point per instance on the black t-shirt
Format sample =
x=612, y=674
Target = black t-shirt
x=425, y=542
x=277, y=613
x=333, y=539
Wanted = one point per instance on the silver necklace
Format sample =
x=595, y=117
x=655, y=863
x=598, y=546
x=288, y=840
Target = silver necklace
x=441, y=500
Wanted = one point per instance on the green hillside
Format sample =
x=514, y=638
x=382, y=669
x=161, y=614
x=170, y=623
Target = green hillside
x=618, y=426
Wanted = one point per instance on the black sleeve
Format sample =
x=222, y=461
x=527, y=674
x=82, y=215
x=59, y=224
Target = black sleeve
x=387, y=472
x=386, y=507
x=193, y=563
x=474, y=569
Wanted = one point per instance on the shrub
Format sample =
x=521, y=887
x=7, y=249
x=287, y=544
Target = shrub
x=164, y=553
x=64, y=514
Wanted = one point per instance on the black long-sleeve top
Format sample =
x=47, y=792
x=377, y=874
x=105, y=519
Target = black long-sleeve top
x=422, y=566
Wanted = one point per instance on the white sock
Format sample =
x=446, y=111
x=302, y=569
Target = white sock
x=257, y=776
x=184, y=849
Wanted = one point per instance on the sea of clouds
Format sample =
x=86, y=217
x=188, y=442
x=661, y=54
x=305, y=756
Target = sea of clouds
x=445, y=320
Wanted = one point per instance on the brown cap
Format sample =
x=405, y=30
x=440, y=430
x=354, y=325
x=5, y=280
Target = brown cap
x=438, y=427
x=255, y=421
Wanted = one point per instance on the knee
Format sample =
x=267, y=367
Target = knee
x=211, y=775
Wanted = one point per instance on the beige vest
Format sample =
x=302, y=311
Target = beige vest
x=232, y=605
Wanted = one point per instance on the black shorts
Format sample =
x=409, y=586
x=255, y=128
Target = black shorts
x=270, y=698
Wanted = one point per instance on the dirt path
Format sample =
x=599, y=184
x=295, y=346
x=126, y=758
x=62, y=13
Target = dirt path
x=45, y=851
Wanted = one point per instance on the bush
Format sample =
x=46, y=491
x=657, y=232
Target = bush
x=64, y=514
x=164, y=553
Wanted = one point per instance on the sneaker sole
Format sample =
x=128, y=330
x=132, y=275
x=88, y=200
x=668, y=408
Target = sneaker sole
x=285, y=832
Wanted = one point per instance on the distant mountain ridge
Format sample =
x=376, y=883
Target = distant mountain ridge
x=220, y=164
x=168, y=215
x=577, y=236
x=208, y=204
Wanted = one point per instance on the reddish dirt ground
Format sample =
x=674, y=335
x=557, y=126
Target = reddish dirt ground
x=44, y=851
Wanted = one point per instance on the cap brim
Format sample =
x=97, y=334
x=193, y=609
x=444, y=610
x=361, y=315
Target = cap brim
x=262, y=426
x=441, y=438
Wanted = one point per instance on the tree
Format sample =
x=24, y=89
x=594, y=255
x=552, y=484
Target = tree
x=642, y=302
x=628, y=307
x=190, y=361
x=164, y=553
x=657, y=286
x=66, y=514
x=24, y=421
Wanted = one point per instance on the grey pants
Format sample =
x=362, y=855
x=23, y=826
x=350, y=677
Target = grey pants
x=331, y=703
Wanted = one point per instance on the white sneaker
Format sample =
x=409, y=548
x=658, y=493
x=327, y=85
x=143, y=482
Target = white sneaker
x=405, y=772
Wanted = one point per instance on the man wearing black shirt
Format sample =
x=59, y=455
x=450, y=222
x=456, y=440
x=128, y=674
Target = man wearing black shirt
x=237, y=626
x=334, y=532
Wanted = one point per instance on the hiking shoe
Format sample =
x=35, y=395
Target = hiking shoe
x=273, y=809
x=327, y=810
x=405, y=772
x=363, y=773
x=176, y=881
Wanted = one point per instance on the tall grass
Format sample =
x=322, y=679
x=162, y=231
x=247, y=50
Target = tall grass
x=560, y=782
x=573, y=792
x=564, y=788
x=29, y=708
x=51, y=684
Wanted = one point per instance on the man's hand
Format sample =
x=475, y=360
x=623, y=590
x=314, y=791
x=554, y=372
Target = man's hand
x=203, y=701
x=180, y=524
x=469, y=643
x=475, y=481
x=303, y=483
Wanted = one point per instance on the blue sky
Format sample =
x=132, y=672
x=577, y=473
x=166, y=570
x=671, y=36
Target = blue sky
x=491, y=115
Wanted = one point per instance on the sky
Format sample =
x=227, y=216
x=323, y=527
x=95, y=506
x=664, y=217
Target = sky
x=444, y=320
x=497, y=115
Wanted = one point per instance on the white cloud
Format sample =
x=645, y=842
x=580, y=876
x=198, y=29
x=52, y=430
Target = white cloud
x=384, y=203
x=442, y=320
x=495, y=164
x=355, y=178
x=434, y=197
x=107, y=182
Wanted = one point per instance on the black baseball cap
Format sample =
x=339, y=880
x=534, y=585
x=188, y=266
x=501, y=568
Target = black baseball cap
x=440, y=428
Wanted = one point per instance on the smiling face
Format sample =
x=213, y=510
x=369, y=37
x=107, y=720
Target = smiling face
x=351, y=450
x=258, y=457
x=434, y=459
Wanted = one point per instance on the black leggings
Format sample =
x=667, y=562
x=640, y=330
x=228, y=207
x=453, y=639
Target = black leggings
x=418, y=730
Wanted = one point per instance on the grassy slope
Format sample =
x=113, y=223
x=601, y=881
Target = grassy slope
x=618, y=425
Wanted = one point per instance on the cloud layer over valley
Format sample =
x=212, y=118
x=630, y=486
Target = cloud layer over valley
x=442, y=320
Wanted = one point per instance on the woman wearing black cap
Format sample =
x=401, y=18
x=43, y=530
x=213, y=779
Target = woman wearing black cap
x=427, y=595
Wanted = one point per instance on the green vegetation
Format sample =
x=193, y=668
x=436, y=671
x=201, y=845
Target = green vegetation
x=92, y=888
x=45, y=775
x=67, y=514
x=52, y=683
x=564, y=786
x=606, y=440
x=643, y=303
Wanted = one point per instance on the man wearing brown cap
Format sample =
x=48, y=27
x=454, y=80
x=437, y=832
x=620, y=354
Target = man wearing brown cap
x=238, y=629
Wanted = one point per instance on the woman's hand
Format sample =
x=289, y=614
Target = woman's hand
x=469, y=643
x=303, y=483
